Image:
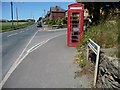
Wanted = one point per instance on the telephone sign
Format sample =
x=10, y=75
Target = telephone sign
x=75, y=7
x=75, y=24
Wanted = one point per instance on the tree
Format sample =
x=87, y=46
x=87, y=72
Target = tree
x=40, y=18
x=107, y=7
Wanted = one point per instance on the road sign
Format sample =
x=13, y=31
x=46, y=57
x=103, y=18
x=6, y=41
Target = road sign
x=76, y=8
x=96, y=49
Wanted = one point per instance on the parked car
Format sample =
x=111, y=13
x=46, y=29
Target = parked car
x=39, y=24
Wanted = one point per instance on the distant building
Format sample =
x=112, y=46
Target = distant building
x=55, y=13
x=66, y=13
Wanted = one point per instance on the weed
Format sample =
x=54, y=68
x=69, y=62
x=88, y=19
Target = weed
x=80, y=58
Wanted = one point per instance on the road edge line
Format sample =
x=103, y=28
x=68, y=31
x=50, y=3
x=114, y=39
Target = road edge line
x=12, y=69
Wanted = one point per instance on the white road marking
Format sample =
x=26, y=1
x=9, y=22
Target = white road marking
x=34, y=47
x=21, y=31
x=42, y=29
x=14, y=64
x=12, y=34
x=19, y=60
x=58, y=30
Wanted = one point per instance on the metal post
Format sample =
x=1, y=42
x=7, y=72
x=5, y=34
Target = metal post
x=12, y=13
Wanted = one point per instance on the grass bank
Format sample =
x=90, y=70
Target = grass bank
x=107, y=35
x=7, y=26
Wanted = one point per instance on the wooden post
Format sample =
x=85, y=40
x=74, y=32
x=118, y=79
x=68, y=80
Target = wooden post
x=12, y=13
x=96, y=67
x=87, y=53
x=92, y=45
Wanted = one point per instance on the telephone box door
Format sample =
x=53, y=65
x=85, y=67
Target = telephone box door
x=75, y=24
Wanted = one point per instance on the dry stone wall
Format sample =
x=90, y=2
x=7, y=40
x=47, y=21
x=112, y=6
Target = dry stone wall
x=109, y=72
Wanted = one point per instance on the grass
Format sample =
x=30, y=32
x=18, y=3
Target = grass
x=87, y=69
x=10, y=23
x=106, y=34
x=80, y=58
x=7, y=26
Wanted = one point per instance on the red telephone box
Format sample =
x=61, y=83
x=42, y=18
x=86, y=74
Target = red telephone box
x=75, y=24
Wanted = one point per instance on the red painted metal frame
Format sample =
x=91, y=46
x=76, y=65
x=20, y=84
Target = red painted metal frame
x=81, y=20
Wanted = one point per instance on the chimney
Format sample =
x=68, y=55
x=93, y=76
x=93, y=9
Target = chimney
x=57, y=8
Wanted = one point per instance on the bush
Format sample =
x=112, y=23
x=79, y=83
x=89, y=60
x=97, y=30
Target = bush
x=56, y=21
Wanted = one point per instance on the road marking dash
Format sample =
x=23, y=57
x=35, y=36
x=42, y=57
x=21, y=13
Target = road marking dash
x=12, y=34
x=21, y=31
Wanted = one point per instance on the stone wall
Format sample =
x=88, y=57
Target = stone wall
x=47, y=27
x=108, y=74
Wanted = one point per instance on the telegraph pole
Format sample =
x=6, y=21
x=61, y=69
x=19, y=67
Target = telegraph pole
x=17, y=15
x=12, y=13
x=44, y=13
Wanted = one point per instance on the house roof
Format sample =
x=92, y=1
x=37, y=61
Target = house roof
x=57, y=9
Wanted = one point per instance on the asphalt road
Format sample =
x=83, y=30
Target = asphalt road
x=51, y=65
x=47, y=60
x=13, y=43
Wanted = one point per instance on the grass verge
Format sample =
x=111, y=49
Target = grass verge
x=8, y=27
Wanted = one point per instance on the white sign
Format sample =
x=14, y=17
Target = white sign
x=75, y=7
x=96, y=49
